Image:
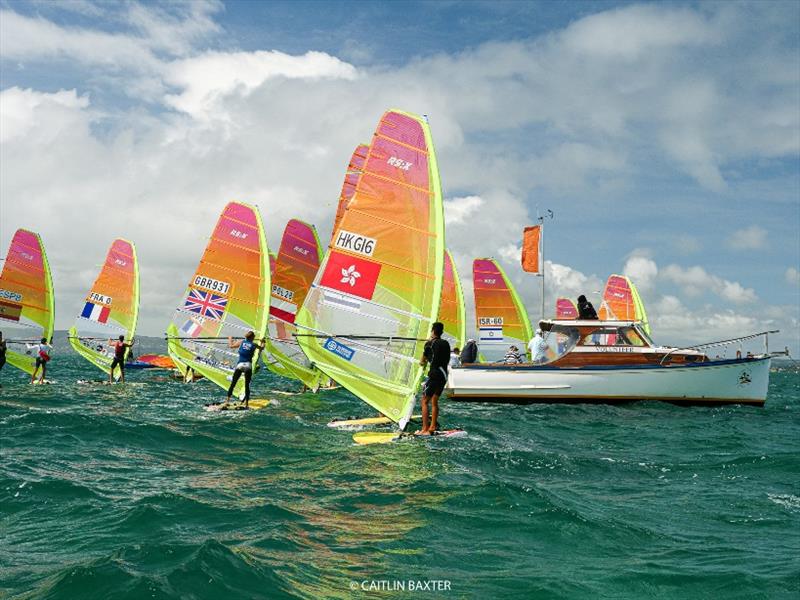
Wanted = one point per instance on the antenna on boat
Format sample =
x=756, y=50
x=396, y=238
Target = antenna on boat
x=548, y=214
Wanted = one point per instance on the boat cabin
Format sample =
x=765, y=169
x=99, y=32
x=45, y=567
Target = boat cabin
x=577, y=343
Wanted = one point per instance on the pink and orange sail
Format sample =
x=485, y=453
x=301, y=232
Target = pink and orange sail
x=26, y=299
x=295, y=267
x=110, y=308
x=566, y=309
x=227, y=296
x=451, y=310
x=354, y=169
x=501, y=318
x=621, y=301
x=367, y=316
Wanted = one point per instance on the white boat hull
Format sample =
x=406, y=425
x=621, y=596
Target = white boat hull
x=727, y=381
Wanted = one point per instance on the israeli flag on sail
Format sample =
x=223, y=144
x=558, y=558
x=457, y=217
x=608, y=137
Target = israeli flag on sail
x=491, y=334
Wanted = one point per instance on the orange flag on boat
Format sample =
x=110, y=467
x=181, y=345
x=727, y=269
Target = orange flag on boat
x=530, y=248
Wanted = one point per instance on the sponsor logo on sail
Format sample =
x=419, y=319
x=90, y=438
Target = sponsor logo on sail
x=13, y=296
x=399, y=163
x=339, y=349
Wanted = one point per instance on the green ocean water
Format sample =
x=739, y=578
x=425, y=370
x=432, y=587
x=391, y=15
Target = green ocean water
x=135, y=492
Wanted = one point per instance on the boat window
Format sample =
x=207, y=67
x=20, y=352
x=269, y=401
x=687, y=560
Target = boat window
x=559, y=342
x=632, y=337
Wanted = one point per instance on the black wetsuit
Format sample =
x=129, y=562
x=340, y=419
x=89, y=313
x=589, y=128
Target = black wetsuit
x=586, y=310
x=438, y=354
x=2, y=353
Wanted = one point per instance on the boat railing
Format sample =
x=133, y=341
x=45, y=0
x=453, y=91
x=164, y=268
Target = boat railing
x=728, y=342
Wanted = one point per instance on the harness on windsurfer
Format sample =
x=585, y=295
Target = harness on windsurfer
x=437, y=356
x=120, y=346
x=244, y=366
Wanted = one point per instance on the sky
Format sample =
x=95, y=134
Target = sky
x=665, y=138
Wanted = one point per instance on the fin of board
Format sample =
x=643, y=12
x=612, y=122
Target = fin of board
x=346, y=423
x=366, y=438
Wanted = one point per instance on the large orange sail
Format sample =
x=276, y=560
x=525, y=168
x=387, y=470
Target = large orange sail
x=501, y=318
x=378, y=290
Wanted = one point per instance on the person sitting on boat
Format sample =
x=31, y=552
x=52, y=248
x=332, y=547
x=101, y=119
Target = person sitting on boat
x=42, y=352
x=120, y=346
x=470, y=352
x=512, y=356
x=585, y=309
x=247, y=350
x=455, y=359
x=537, y=347
x=438, y=358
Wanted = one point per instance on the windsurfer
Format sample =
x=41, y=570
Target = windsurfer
x=120, y=346
x=42, y=352
x=247, y=349
x=3, y=348
x=437, y=356
x=585, y=308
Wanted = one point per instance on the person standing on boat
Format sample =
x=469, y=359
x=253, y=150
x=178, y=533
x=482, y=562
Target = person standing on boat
x=585, y=309
x=470, y=352
x=120, y=346
x=247, y=350
x=437, y=356
x=42, y=352
x=537, y=347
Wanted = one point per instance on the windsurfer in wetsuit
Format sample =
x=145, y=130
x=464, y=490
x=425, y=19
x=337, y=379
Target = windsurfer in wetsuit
x=3, y=348
x=247, y=350
x=42, y=352
x=437, y=355
x=120, y=346
x=585, y=309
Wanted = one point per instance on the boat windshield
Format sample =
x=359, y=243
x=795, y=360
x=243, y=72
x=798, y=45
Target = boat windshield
x=614, y=336
x=560, y=340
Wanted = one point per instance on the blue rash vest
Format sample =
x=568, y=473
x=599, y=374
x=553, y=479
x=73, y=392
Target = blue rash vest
x=246, y=351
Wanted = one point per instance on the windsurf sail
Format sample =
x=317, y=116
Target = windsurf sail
x=26, y=299
x=227, y=296
x=566, y=309
x=110, y=309
x=354, y=169
x=451, y=310
x=501, y=318
x=370, y=309
x=296, y=265
x=621, y=301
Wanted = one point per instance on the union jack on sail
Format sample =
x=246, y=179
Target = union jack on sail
x=206, y=304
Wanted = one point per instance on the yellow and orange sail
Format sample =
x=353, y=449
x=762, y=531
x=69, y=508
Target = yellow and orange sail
x=451, y=310
x=354, y=169
x=111, y=307
x=365, y=321
x=621, y=301
x=500, y=317
x=228, y=295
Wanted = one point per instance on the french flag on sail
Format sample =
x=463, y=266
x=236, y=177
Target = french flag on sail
x=96, y=312
x=192, y=328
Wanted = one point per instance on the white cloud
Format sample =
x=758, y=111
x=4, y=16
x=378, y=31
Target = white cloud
x=792, y=276
x=696, y=281
x=749, y=238
x=457, y=210
x=22, y=110
x=642, y=271
x=510, y=253
x=205, y=80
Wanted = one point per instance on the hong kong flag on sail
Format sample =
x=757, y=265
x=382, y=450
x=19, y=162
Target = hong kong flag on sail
x=351, y=275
